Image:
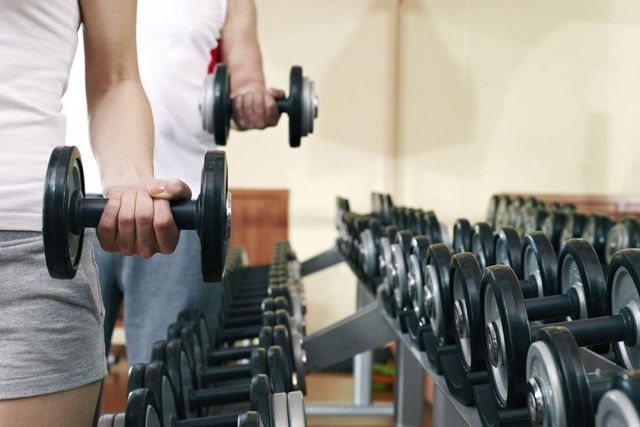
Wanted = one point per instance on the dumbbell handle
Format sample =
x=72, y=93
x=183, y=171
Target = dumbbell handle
x=221, y=395
x=599, y=330
x=224, y=373
x=232, y=353
x=87, y=213
x=548, y=307
x=283, y=105
x=222, y=420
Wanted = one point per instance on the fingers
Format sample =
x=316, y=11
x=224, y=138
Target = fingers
x=126, y=236
x=255, y=110
x=165, y=229
x=145, y=237
x=108, y=227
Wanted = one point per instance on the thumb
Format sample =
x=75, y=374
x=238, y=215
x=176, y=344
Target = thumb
x=169, y=189
x=276, y=93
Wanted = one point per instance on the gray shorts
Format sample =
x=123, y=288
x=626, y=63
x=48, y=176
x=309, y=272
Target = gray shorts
x=51, y=333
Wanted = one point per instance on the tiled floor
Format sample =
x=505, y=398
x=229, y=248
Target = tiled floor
x=322, y=388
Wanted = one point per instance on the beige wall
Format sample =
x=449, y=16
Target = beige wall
x=517, y=95
x=490, y=96
x=348, y=49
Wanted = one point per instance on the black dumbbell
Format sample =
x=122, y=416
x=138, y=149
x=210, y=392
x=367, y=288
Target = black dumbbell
x=506, y=314
x=369, y=243
x=283, y=332
x=508, y=249
x=217, y=110
x=462, y=232
x=412, y=314
x=191, y=400
x=482, y=244
x=466, y=278
x=625, y=234
x=66, y=212
x=560, y=391
x=573, y=227
x=621, y=404
x=595, y=232
x=437, y=308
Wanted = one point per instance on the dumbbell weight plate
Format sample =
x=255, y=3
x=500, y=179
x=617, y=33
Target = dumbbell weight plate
x=297, y=417
x=215, y=104
x=215, y=203
x=296, y=106
x=508, y=249
x=623, y=235
x=62, y=245
x=492, y=210
x=280, y=410
x=141, y=410
x=620, y=406
x=624, y=283
x=462, y=236
x=106, y=420
x=556, y=374
x=437, y=299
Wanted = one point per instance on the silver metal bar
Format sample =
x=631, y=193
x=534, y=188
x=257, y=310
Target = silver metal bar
x=325, y=410
x=363, y=362
x=363, y=330
x=321, y=261
x=408, y=398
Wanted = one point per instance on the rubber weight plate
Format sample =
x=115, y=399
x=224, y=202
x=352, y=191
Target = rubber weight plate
x=296, y=106
x=215, y=105
x=63, y=182
x=214, y=223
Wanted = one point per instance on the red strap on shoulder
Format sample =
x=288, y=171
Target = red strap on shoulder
x=215, y=57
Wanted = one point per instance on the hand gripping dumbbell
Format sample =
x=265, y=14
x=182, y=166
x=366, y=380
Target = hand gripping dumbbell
x=625, y=234
x=466, y=280
x=562, y=391
x=506, y=316
x=216, y=107
x=66, y=212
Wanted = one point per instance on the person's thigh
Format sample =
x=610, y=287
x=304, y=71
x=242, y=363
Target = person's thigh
x=109, y=267
x=68, y=408
x=51, y=336
x=157, y=289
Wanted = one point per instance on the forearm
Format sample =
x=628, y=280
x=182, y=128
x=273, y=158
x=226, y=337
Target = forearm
x=241, y=49
x=121, y=132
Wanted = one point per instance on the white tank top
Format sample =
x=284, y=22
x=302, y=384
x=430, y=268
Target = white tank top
x=37, y=43
x=175, y=39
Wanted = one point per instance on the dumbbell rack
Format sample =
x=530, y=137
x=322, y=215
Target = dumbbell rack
x=370, y=328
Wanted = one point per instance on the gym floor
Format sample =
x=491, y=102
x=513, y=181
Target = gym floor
x=323, y=387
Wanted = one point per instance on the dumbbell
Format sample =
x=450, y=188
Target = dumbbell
x=216, y=108
x=191, y=400
x=625, y=234
x=501, y=216
x=620, y=406
x=369, y=244
x=573, y=227
x=385, y=265
x=553, y=225
x=66, y=212
x=282, y=332
x=413, y=304
x=560, y=391
x=466, y=280
x=584, y=298
x=595, y=232
x=271, y=409
x=462, y=232
x=508, y=249
x=436, y=310
x=482, y=244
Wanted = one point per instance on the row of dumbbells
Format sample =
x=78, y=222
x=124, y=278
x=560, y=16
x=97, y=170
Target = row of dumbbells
x=562, y=222
x=252, y=360
x=483, y=325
